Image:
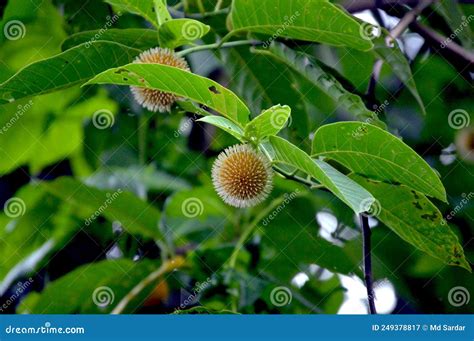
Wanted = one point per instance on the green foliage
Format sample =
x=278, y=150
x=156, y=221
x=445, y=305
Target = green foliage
x=373, y=152
x=314, y=20
x=178, y=82
x=74, y=66
x=140, y=189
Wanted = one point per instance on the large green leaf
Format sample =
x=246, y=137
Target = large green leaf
x=416, y=220
x=137, y=38
x=308, y=20
x=65, y=69
x=145, y=8
x=136, y=216
x=91, y=289
x=269, y=122
x=375, y=153
x=398, y=64
x=308, y=68
x=355, y=196
x=181, y=83
x=180, y=32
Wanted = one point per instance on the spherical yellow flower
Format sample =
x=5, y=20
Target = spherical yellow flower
x=156, y=100
x=242, y=176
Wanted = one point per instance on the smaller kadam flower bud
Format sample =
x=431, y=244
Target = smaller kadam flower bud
x=156, y=100
x=242, y=176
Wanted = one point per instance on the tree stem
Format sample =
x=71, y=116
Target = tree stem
x=217, y=45
x=366, y=233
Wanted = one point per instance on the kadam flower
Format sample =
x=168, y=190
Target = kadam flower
x=242, y=176
x=156, y=100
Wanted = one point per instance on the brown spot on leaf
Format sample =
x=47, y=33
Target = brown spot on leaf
x=214, y=90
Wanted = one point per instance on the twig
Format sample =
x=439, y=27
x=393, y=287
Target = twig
x=167, y=266
x=218, y=45
x=442, y=43
x=366, y=233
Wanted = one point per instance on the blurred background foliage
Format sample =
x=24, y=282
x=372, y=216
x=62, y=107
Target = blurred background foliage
x=313, y=246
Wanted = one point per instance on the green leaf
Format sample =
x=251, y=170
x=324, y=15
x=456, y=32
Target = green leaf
x=224, y=124
x=162, y=13
x=145, y=8
x=92, y=288
x=456, y=19
x=340, y=185
x=377, y=154
x=269, y=122
x=308, y=20
x=181, y=83
x=117, y=206
x=284, y=257
x=398, y=64
x=416, y=220
x=137, y=38
x=308, y=67
x=69, y=68
x=39, y=225
x=180, y=32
